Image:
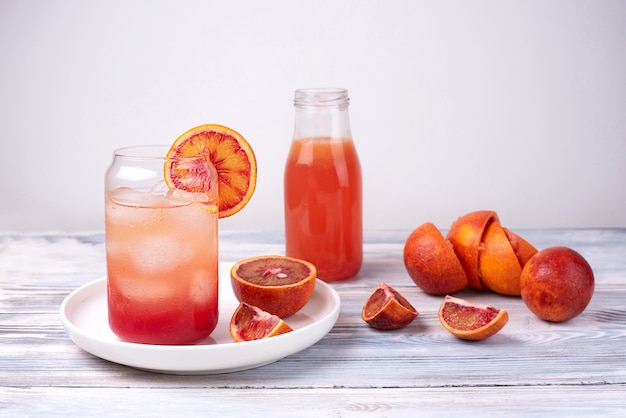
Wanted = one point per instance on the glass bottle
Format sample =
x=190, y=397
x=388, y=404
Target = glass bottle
x=323, y=186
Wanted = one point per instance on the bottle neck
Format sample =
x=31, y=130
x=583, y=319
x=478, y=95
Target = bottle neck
x=321, y=113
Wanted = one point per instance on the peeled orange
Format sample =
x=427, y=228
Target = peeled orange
x=471, y=321
x=277, y=284
x=232, y=157
x=386, y=308
x=250, y=323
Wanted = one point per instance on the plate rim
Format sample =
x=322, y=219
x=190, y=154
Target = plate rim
x=297, y=340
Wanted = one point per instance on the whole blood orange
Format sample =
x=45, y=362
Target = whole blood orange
x=250, y=323
x=557, y=284
x=386, y=309
x=466, y=234
x=431, y=262
x=277, y=284
x=471, y=321
x=230, y=154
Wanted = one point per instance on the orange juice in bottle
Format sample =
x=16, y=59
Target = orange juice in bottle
x=323, y=186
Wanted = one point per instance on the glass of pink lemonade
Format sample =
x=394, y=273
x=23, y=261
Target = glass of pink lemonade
x=161, y=248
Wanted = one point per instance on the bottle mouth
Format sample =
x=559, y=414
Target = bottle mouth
x=321, y=97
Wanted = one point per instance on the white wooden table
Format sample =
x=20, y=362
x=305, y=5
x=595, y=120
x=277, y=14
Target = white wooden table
x=530, y=368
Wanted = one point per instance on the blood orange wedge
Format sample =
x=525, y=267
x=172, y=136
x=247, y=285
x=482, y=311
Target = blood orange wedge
x=232, y=157
x=277, y=284
x=386, y=308
x=250, y=323
x=471, y=321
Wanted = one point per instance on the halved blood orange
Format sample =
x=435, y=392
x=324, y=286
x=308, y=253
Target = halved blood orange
x=232, y=157
x=250, y=323
x=386, y=308
x=471, y=321
x=277, y=284
x=431, y=262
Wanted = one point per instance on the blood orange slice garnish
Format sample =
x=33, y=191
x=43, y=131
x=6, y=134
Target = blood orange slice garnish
x=277, y=284
x=471, y=321
x=250, y=323
x=386, y=308
x=230, y=154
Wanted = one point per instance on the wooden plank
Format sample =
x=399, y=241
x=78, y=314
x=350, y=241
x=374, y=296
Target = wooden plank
x=571, y=401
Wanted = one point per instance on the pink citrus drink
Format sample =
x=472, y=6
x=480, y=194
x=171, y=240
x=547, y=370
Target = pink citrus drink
x=323, y=209
x=161, y=247
x=162, y=277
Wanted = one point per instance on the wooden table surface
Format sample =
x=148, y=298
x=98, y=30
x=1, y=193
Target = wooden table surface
x=530, y=368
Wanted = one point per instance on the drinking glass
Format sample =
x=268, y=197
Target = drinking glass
x=161, y=249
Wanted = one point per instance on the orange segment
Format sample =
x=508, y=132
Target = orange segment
x=469, y=320
x=277, y=284
x=466, y=235
x=499, y=268
x=386, y=308
x=232, y=157
x=523, y=249
x=250, y=323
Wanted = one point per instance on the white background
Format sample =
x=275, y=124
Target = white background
x=515, y=106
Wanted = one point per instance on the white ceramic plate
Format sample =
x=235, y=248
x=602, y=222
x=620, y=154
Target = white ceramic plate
x=84, y=315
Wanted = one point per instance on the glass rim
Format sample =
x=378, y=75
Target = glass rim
x=150, y=152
